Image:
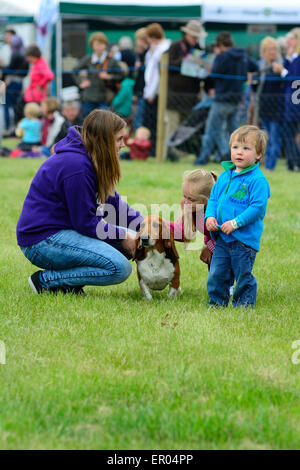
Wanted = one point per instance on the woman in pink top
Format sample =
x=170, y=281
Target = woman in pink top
x=40, y=75
x=196, y=189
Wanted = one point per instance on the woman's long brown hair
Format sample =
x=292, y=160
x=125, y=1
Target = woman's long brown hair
x=98, y=134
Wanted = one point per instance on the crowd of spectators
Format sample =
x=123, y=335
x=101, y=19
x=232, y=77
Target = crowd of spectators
x=125, y=77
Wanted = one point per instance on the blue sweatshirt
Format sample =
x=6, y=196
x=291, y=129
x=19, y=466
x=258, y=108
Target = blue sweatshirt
x=241, y=196
x=63, y=196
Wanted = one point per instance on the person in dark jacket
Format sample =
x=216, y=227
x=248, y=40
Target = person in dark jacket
x=183, y=90
x=290, y=70
x=13, y=75
x=269, y=106
x=74, y=225
x=233, y=63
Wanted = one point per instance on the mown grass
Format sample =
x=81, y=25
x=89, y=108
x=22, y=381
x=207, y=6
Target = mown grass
x=113, y=371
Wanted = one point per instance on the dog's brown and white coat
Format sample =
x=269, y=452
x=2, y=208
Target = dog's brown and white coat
x=156, y=257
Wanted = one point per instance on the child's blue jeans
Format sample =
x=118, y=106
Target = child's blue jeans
x=237, y=258
x=72, y=259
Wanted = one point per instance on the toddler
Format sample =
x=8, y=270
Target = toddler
x=140, y=145
x=196, y=189
x=234, y=216
x=29, y=128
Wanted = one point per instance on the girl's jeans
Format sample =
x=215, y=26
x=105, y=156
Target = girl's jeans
x=72, y=259
x=237, y=258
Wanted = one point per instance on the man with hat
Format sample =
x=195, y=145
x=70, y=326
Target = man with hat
x=182, y=89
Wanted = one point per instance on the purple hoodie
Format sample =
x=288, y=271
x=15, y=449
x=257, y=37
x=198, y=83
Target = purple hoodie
x=63, y=196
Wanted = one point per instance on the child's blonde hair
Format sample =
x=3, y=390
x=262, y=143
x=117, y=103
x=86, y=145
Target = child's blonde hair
x=32, y=110
x=144, y=129
x=258, y=136
x=201, y=182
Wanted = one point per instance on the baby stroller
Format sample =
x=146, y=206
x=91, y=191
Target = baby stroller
x=188, y=135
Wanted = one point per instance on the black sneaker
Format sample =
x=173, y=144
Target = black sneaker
x=75, y=290
x=36, y=286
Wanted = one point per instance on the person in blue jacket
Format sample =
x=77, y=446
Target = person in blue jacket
x=74, y=225
x=234, y=216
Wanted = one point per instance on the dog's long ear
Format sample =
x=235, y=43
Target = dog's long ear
x=139, y=250
x=170, y=249
x=168, y=242
x=214, y=175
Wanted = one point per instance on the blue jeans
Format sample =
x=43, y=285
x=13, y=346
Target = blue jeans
x=72, y=259
x=227, y=258
x=139, y=113
x=222, y=120
x=273, y=151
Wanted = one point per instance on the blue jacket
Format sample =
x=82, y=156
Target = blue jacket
x=241, y=196
x=63, y=196
x=232, y=62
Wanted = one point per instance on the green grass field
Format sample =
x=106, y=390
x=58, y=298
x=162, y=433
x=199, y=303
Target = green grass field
x=111, y=370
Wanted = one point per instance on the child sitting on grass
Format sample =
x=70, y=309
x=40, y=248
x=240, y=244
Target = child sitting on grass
x=29, y=128
x=139, y=146
x=54, y=126
x=234, y=216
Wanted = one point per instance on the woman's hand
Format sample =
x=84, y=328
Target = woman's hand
x=129, y=244
x=211, y=224
x=277, y=68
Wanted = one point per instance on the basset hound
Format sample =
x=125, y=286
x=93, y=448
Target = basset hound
x=156, y=257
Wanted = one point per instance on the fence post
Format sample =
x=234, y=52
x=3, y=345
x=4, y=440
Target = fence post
x=161, y=108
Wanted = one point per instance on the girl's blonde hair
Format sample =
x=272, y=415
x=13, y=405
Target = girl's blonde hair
x=259, y=137
x=32, y=111
x=201, y=183
x=98, y=134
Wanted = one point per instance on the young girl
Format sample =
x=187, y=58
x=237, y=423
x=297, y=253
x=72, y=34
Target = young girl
x=196, y=189
x=54, y=126
x=70, y=224
x=30, y=127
